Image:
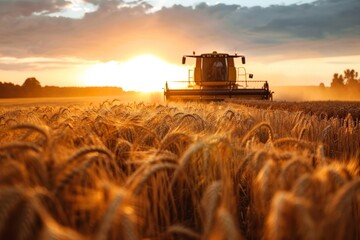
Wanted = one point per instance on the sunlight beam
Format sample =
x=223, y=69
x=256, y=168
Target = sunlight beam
x=144, y=73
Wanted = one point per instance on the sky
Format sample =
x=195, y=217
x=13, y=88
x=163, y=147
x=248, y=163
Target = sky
x=138, y=44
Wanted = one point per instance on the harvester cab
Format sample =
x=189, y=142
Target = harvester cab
x=215, y=77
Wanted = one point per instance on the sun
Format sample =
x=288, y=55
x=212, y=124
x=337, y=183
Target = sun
x=143, y=73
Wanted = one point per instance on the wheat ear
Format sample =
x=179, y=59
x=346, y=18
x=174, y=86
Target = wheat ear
x=226, y=226
x=33, y=127
x=185, y=159
x=232, y=114
x=264, y=185
x=254, y=129
x=84, y=151
x=67, y=177
x=285, y=211
x=343, y=221
x=294, y=169
x=283, y=141
x=150, y=171
x=209, y=203
x=109, y=215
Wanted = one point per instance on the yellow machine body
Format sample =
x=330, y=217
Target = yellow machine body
x=216, y=77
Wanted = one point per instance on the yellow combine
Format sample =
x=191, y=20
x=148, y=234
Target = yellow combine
x=215, y=77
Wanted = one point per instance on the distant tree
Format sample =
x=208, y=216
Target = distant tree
x=31, y=87
x=351, y=78
x=346, y=86
x=31, y=83
x=337, y=81
x=322, y=85
x=8, y=89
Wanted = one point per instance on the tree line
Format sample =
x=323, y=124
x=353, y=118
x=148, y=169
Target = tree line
x=32, y=88
x=349, y=80
x=344, y=86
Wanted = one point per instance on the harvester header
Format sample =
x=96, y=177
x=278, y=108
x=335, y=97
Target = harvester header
x=213, y=55
x=215, y=77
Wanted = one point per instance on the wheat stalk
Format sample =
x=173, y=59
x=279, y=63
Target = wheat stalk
x=182, y=231
x=10, y=197
x=20, y=146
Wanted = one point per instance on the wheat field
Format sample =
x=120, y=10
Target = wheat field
x=115, y=170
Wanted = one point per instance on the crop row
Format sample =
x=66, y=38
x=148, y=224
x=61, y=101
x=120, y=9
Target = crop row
x=179, y=171
x=322, y=109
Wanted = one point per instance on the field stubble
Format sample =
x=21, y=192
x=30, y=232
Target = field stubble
x=180, y=171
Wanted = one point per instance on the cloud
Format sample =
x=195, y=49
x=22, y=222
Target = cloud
x=36, y=64
x=321, y=20
x=17, y=8
x=118, y=31
x=322, y=27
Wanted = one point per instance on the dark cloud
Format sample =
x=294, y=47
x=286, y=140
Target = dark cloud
x=320, y=20
x=117, y=31
x=16, y=8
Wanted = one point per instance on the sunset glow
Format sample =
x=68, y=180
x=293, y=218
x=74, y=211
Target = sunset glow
x=138, y=45
x=144, y=73
x=180, y=119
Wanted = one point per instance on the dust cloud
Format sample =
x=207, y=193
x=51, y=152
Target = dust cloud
x=312, y=93
x=281, y=93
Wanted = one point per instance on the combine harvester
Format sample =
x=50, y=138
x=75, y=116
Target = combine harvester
x=215, y=77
